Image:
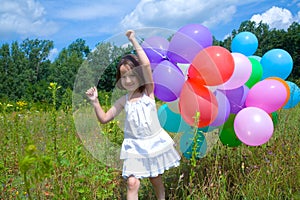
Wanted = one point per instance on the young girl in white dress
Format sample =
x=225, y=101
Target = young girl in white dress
x=147, y=150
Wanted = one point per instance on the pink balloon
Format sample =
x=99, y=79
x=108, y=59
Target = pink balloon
x=253, y=126
x=269, y=95
x=241, y=73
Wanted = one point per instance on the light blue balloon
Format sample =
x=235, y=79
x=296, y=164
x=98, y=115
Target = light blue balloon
x=245, y=43
x=187, y=142
x=171, y=121
x=294, y=95
x=276, y=62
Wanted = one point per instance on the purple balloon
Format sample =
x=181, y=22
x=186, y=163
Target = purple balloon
x=223, y=109
x=253, y=126
x=156, y=49
x=168, y=80
x=187, y=42
x=237, y=98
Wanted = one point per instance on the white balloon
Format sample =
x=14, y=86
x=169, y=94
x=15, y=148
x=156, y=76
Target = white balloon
x=241, y=73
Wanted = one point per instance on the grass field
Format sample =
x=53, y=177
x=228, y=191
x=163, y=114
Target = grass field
x=42, y=157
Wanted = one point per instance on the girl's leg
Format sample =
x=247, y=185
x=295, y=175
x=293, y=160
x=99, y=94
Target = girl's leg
x=158, y=186
x=133, y=185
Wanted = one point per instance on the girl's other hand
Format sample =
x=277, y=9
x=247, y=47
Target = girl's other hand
x=92, y=93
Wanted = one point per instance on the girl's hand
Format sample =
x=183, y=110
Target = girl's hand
x=130, y=35
x=92, y=94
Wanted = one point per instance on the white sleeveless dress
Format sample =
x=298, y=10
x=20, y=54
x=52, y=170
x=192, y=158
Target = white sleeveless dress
x=147, y=149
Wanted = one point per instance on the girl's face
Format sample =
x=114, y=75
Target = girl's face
x=129, y=79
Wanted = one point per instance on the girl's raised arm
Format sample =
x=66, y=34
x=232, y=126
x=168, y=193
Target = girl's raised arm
x=144, y=61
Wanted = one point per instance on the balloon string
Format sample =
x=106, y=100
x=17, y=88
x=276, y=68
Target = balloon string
x=141, y=40
x=237, y=105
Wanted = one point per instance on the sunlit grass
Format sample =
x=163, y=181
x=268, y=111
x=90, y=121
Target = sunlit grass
x=68, y=171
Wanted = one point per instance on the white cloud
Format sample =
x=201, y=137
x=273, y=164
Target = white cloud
x=53, y=54
x=89, y=18
x=24, y=18
x=175, y=13
x=89, y=12
x=275, y=17
x=298, y=17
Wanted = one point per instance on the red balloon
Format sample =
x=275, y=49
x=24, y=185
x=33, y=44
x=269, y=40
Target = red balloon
x=214, y=64
x=194, y=74
x=195, y=98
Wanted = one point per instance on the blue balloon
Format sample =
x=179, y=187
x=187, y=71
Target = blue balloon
x=276, y=62
x=294, y=95
x=171, y=121
x=245, y=43
x=187, y=146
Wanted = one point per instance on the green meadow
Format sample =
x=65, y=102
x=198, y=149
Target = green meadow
x=44, y=157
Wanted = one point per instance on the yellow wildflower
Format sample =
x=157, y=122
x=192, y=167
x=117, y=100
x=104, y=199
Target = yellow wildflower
x=21, y=104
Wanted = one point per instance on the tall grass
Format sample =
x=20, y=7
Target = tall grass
x=43, y=158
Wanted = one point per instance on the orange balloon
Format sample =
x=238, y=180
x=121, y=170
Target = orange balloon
x=214, y=64
x=196, y=98
x=286, y=87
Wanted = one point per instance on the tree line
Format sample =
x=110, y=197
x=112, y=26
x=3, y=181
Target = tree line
x=26, y=71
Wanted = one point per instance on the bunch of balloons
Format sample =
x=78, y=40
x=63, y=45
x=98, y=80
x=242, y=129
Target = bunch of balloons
x=208, y=87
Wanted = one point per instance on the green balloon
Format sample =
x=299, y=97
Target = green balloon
x=274, y=116
x=227, y=134
x=257, y=72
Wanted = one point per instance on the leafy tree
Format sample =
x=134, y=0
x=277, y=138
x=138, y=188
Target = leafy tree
x=103, y=63
x=99, y=69
x=5, y=65
x=26, y=71
x=292, y=41
x=23, y=68
x=13, y=64
x=19, y=78
x=37, y=53
x=65, y=68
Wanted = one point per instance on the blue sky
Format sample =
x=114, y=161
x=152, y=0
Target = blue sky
x=96, y=20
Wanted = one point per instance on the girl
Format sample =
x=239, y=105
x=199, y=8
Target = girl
x=147, y=150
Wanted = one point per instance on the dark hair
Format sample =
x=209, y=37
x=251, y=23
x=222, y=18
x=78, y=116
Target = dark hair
x=132, y=61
